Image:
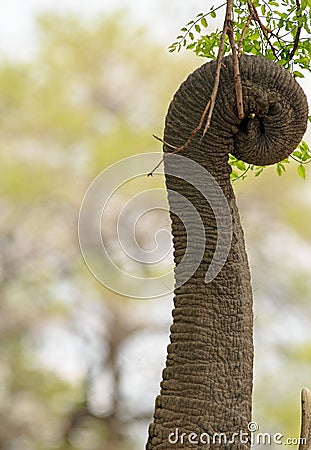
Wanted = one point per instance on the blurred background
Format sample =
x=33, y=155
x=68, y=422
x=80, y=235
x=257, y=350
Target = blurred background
x=83, y=85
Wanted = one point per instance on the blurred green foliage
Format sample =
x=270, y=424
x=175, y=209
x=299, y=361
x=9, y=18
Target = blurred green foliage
x=91, y=94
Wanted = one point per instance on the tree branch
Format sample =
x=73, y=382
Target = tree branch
x=220, y=55
x=236, y=70
x=227, y=29
x=264, y=29
x=297, y=37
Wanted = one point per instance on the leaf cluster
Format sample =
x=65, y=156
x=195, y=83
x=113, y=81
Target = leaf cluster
x=278, y=30
x=192, y=35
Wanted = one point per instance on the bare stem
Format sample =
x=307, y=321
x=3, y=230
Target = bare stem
x=219, y=63
x=264, y=29
x=183, y=147
x=244, y=33
x=297, y=37
x=236, y=70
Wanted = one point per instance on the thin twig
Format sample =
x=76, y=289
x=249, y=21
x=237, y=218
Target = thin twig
x=150, y=174
x=268, y=6
x=299, y=161
x=163, y=142
x=264, y=29
x=184, y=36
x=296, y=41
x=183, y=147
x=242, y=174
x=244, y=33
x=253, y=9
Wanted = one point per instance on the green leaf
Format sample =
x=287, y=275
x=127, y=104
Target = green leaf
x=304, y=146
x=259, y=171
x=280, y=169
x=197, y=28
x=191, y=46
x=285, y=161
x=240, y=165
x=304, y=4
x=298, y=74
x=204, y=22
x=302, y=171
x=297, y=154
x=213, y=14
x=234, y=174
x=305, y=152
x=191, y=35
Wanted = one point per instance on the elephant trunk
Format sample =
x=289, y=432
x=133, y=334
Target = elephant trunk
x=206, y=391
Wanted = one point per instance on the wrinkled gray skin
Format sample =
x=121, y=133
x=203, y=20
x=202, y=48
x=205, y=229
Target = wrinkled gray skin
x=207, y=381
